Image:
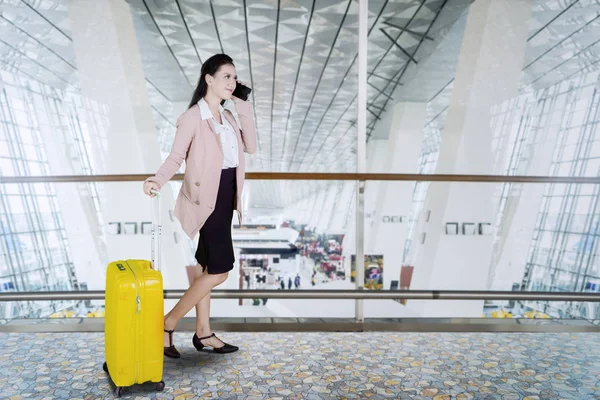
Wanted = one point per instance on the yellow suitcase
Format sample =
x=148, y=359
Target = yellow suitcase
x=133, y=325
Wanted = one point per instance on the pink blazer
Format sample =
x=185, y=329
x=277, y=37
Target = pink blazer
x=199, y=145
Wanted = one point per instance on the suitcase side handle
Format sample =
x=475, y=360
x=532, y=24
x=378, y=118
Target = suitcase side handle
x=156, y=230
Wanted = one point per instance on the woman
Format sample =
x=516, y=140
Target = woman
x=213, y=147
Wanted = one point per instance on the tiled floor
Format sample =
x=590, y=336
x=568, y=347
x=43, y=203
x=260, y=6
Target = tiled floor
x=320, y=366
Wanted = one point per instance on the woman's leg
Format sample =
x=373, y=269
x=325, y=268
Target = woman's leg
x=202, y=310
x=203, y=317
x=199, y=289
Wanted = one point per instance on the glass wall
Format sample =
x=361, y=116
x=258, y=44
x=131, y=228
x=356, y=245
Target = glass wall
x=559, y=123
x=564, y=250
x=35, y=247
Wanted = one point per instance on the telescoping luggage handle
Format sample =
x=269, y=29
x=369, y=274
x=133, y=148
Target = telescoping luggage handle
x=156, y=231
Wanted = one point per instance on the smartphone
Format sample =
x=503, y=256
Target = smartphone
x=242, y=91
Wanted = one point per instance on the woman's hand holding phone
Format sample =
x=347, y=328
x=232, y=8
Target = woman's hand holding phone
x=241, y=91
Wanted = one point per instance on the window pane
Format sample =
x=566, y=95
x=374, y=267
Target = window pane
x=569, y=153
x=595, y=152
x=15, y=204
x=564, y=169
x=4, y=150
x=21, y=223
x=35, y=168
x=26, y=136
x=26, y=242
x=41, y=189
x=559, y=189
x=583, y=204
x=593, y=167
x=48, y=222
x=555, y=205
x=52, y=239
x=21, y=117
x=31, y=152
x=43, y=203
x=6, y=166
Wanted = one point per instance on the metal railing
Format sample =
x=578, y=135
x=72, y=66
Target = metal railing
x=358, y=295
x=327, y=295
x=314, y=176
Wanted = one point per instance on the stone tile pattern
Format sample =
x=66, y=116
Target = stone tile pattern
x=374, y=365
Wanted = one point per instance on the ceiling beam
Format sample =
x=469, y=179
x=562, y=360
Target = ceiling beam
x=286, y=133
x=408, y=30
x=273, y=83
x=411, y=58
x=166, y=42
x=381, y=91
x=338, y=91
x=337, y=34
x=552, y=20
x=187, y=29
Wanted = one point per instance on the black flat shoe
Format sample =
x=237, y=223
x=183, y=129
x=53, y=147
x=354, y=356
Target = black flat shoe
x=226, y=348
x=171, y=351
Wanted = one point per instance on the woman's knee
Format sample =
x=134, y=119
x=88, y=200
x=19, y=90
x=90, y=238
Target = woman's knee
x=219, y=278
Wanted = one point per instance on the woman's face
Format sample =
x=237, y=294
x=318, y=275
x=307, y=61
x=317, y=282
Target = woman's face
x=223, y=83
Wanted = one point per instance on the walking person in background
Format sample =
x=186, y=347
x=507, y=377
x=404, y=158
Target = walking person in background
x=212, y=145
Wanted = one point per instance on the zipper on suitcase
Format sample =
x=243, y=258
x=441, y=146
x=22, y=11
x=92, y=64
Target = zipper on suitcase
x=136, y=334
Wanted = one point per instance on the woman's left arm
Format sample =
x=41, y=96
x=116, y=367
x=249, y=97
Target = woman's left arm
x=244, y=111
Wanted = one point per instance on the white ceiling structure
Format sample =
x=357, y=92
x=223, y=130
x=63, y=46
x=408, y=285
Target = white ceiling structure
x=300, y=59
x=299, y=56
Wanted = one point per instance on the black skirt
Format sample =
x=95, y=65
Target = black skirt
x=215, y=247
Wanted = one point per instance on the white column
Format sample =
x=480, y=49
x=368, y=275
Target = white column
x=488, y=73
x=111, y=74
x=394, y=199
x=87, y=247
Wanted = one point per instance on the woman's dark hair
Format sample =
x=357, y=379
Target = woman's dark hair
x=210, y=67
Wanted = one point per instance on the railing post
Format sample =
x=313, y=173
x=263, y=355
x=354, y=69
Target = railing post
x=360, y=251
x=361, y=159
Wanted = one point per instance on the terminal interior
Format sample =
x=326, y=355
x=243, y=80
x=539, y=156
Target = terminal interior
x=474, y=124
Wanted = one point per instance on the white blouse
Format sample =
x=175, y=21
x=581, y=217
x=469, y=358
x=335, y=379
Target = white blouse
x=226, y=133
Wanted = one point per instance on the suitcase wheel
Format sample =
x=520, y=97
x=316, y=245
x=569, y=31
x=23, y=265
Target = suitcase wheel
x=105, y=367
x=119, y=391
x=159, y=386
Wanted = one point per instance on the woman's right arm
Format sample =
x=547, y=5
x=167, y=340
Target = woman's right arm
x=186, y=126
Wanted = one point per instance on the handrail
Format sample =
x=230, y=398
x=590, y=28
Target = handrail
x=303, y=176
x=327, y=294
x=326, y=176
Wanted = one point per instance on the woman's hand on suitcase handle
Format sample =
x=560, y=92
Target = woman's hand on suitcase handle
x=150, y=187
